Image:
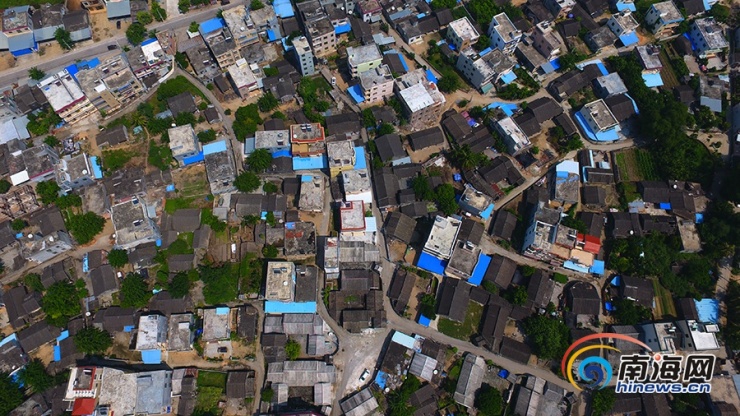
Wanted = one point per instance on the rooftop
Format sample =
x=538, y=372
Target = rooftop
x=442, y=237
x=267, y=139
x=352, y=214
x=306, y=133
x=16, y=18
x=626, y=21
x=492, y=64
x=356, y=181
x=505, y=28
x=650, y=54
x=152, y=332
x=364, y=54
x=463, y=260
x=710, y=30
x=216, y=322
x=301, y=44
x=375, y=76
x=280, y=281
x=131, y=222
x=464, y=29
x=600, y=113
x=61, y=90
x=513, y=131
x=475, y=198
x=179, y=332
x=668, y=11
x=182, y=140
x=242, y=76
x=341, y=153
x=312, y=193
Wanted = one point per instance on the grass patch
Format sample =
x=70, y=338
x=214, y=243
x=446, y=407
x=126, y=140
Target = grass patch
x=466, y=329
x=178, y=85
x=4, y=4
x=664, y=305
x=211, y=379
x=116, y=159
x=207, y=400
x=173, y=204
x=636, y=165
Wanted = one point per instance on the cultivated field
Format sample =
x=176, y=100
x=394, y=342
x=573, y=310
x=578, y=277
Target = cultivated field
x=635, y=165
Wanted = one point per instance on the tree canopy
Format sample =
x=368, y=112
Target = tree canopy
x=92, y=340
x=489, y=401
x=629, y=312
x=11, y=395
x=180, y=286
x=36, y=74
x=220, y=284
x=60, y=303
x=602, y=401
x=48, y=191
x=247, y=119
x=292, y=350
x=259, y=161
x=64, y=38
x=398, y=400
x=34, y=375
x=84, y=227
x=118, y=258
x=267, y=102
x=247, y=182
x=135, y=292
x=549, y=337
x=445, y=197
x=136, y=33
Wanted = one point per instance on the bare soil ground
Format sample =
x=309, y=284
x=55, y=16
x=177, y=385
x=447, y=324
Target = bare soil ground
x=45, y=354
x=103, y=28
x=191, y=181
x=396, y=251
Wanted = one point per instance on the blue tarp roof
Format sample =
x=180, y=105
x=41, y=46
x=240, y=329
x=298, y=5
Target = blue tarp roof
x=211, y=25
x=151, y=356
x=665, y=205
x=634, y=104
x=73, y=70
x=215, y=147
x=608, y=306
x=699, y=218
x=605, y=136
x=503, y=373
x=193, y=159
x=597, y=62
x=424, y=321
x=480, y=269
x=575, y=266
x=271, y=35
x=508, y=77
x=272, y=306
x=617, y=281
x=310, y=163
x=360, y=161
x=485, y=52
x=64, y=335
x=555, y=63
x=707, y=309
x=380, y=379
x=283, y=8
x=150, y=40
x=400, y=57
x=128, y=328
x=431, y=77
x=57, y=353
x=622, y=6
x=338, y=30
x=507, y=108
x=598, y=267
x=431, y=263
x=653, y=80
x=629, y=38
x=222, y=311
x=306, y=178
x=486, y=213
x=281, y=153
x=97, y=172
x=355, y=92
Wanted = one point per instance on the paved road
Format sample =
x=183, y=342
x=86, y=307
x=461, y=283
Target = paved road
x=12, y=75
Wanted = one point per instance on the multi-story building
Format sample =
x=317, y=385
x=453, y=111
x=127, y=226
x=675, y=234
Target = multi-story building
x=462, y=34
x=369, y=10
x=110, y=85
x=341, y=156
x=304, y=55
x=200, y=58
x=94, y=6
x=483, y=71
x=708, y=37
x=307, y=140
x=422, y=101
x=241, y=26
x=183, y=143
x=663, y=18
x=318, y=28
x=598, y=116
x=132, y=224
x=242, y=78
x=541, y=231
x=17, y=31
x=560, y=7
x=363, y=58
x=503, y=34
x=147, y=61
x=376, y=84
x=623, y=25
x=74, y=172
x=66, y=97
x=547, y=41
x=516, y=140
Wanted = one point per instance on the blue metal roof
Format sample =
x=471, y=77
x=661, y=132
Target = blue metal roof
x=430, y=76
x=193, y=159
x=430, y=263
x=310, y=163
x=629, y=38
x=355, y=92
x=222, y=311
x=507, y=108
x=653, y=80
x=424, y=321
x=598, y=267
x=605, y=136
x=707, y=309
x=11, y=337
x=508, y=77
x=622, y=6
x=215, y=147
x=380, y=379
x=148, y=41
x=211, y=25
x=283, y=8
x=151, y=356
x=97, y=172
x=57, y=353
x=575, y=266
x=360, y=161
x=281, y=153
x=480, y=269
x=276, y=307
x=271, y=35
x=403, y=339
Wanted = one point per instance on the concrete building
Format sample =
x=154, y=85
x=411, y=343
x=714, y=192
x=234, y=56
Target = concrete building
x=132, y=224
x=307, y=140
x=377, y=84
x=180, y=334
x=220, y=41
x=363, y=58
x=110, y=85
x=560, y=7
x=484, y=71
x=649, y=56
x=565, y=184
x=421, y=100
x=148, y=61
x=200, y=58
x=623, y=25
x=462, y=34
x=318, y=28
x=272, y=140
x=663, y=18
x=17, y=31
x=242, y=78
x=547, y=41
x=598, y=116
x=503, y=34
x=216, y=322
x=183, y=143
x=66, y=97
x=516, y=140
x=369, y=10
x=152, y=332
x=352, y=217
x=541, y=230
x=441, y=240
x=341, y=156
x=357, y=186
x=280, y=281
x=708, y=37
x=304, y=56
x=312, y=193
x=241, y=26
x=220, y=167
x=74, y=172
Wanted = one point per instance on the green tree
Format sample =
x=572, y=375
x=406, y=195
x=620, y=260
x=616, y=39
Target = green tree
x=445, y=198
x=135, y=292
x=259, y=161
x=158, y=12
x=444, y=4
x=33, y=282
x=489, y=401
x=136, y=33
x=420, y=185
x=267, y=102
x=18, y=224
x=250, y=220
x=34, y=375
x=84, y=227
x=64, y=38
x=207, y=136
x=180, y=286
x=144, y=18
x=184, y=6
x=182, y=60
x=720, y=12
x=266, y=395
x=220, y=284
x=528, y=271
x=11, y=395
x=517, y=296
x=60, y=303
x=68, y=201
x=629, y=312
x=398, y=400
x=118, y=258
x=467, y=159
x=269, y=188
x=292, y=350
x=256, y=5
x=5, y=186
x=549, y=337
x=385, y=128
x=48, y=191
x=92, y=340
x=36, y=74
x=602, y=401
x=483, y=43
x=428, y=306
x=368, y=118
x=270, y=251
x=270, y=218
x=450, y=81
x=194, y=27
x=246, y=120
x=247, y=182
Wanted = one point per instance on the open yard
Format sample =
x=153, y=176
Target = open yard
x=664, y=306
x=211, y=385
x=635, y=165
x=466, y=329
x=192, y=188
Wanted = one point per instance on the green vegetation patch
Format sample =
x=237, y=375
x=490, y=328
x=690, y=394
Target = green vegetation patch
x=466, y=329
